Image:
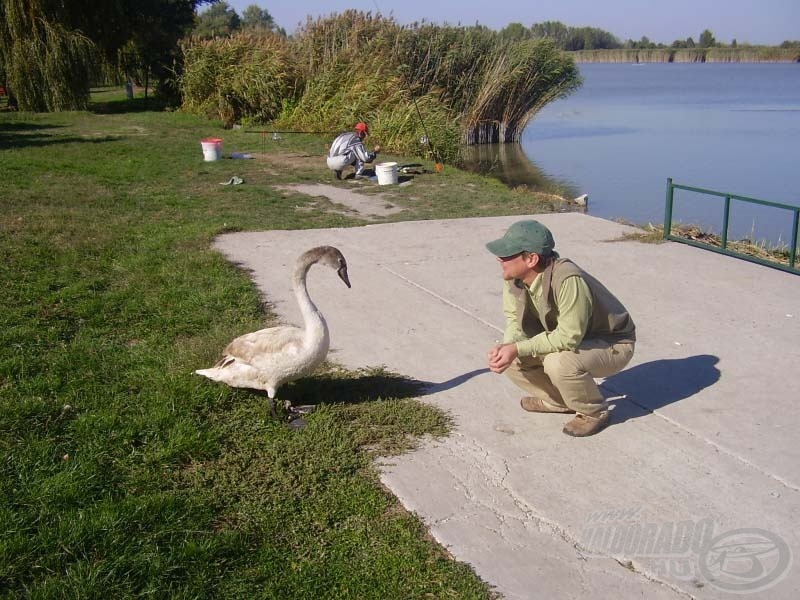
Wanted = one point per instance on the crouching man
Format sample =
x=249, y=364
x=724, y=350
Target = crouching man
x=563, y=329
x=348, y=149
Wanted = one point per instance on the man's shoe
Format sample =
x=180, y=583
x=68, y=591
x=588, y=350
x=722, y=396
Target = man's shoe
x=533, y=404
x=584, y=425
x=338, y=174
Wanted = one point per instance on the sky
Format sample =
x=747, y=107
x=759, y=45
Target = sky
x=766, y=22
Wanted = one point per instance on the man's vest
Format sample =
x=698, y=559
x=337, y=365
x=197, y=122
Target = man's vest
x=609, y=319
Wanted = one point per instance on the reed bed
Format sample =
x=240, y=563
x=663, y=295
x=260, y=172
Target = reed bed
x=689, y=55
x=424, y=88
x=246, y=76
x=621, y=55
x=753, y=54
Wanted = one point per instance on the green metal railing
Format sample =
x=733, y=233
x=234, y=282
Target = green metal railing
x=723, y=248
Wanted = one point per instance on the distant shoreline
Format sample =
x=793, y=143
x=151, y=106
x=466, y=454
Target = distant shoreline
x=756, y=54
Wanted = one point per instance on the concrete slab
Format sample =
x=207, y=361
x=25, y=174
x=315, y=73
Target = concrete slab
x=691, y=492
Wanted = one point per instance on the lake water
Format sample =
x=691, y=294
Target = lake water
x=733, y=128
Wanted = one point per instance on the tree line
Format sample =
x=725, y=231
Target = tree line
x=221, y=19
x=570, y=38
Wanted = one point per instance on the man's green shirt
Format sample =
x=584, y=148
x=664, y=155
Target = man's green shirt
x=574, y=307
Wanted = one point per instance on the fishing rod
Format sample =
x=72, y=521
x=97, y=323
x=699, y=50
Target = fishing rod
x=437, y=162
x=274, y=131
x=403, y=70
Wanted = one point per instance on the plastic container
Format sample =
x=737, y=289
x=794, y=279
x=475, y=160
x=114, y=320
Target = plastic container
x=212, y=149
x=386, y=172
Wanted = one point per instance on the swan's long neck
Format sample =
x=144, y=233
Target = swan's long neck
x=313, y=321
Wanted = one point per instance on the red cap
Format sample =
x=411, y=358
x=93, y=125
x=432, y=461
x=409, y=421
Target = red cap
x=361, y=126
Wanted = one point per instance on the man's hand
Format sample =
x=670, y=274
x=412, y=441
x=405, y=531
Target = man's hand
x=377, y=148
x=501, y=357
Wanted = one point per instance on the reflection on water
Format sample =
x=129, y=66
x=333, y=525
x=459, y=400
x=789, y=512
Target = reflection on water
x=510, y=164
x=732, y=128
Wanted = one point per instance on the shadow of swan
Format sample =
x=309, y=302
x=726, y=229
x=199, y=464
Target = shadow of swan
x=366, y=385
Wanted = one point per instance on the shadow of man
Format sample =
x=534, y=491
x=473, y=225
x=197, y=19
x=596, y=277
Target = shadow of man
x=655, y=384
x=430, y=387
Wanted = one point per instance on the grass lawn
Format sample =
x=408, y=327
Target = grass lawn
x=123, y=475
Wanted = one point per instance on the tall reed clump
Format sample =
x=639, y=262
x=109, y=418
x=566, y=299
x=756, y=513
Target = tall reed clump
x=422, y=88
x=246, y=77
x=48, y=66
x=344, y=94
x=352, y=74
x=518, y=79
x=490, y=87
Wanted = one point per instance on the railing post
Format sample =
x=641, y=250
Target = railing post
x=793, y=250
x=668, y=210
x=725, y=218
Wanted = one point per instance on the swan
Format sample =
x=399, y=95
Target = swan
x=268, y=358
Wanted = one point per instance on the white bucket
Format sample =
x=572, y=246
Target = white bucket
x=386, y=172
x=212, y=149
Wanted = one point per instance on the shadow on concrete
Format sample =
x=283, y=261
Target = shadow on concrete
x=655, y=384
x=435, y=388
x=365, y=387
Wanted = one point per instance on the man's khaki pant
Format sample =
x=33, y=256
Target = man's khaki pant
x=567, y=378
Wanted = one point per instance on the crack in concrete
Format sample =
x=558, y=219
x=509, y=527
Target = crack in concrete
x=528, y=514
x=631, y=566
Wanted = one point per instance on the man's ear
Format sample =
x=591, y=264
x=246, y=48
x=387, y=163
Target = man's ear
x=533, y=260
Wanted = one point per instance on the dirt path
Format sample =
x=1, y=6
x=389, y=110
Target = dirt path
x=374, y=205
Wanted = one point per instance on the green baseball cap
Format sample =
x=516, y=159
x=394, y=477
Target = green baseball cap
x=524, y=236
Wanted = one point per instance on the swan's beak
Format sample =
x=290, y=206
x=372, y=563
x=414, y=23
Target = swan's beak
x=342, y=273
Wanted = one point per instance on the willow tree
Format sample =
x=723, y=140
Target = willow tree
x=51, y=49
x=48, y=66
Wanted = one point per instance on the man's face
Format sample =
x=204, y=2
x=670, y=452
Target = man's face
x=518, y=266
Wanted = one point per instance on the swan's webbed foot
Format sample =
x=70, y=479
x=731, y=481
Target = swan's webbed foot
x=297, y=414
